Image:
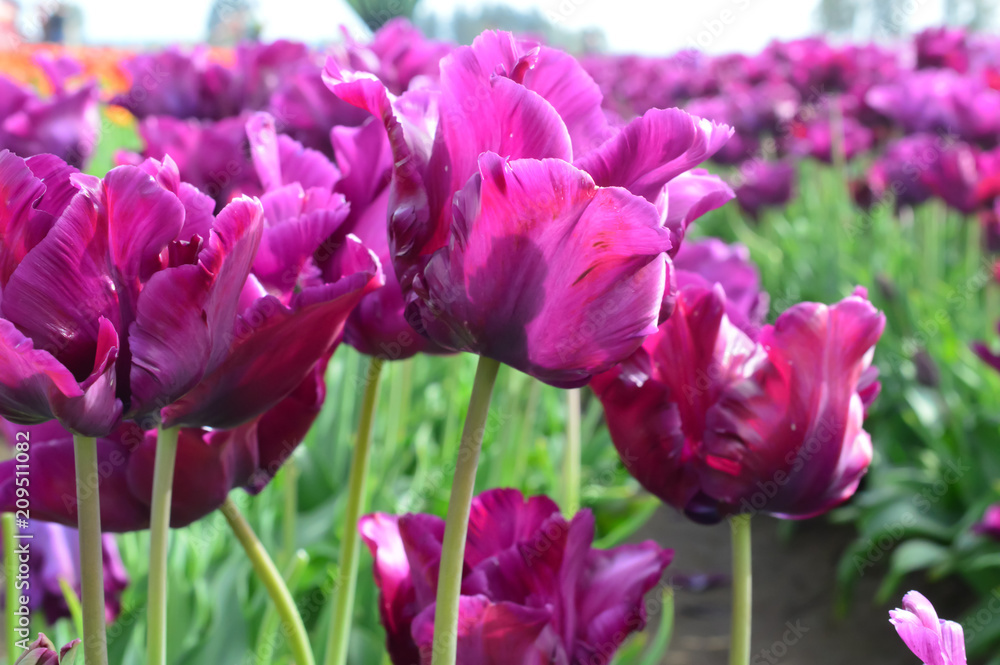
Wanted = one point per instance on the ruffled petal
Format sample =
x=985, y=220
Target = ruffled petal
x=611, y=595
x=653, y=150
x=272, y=349
x=186, y=314
x=789, y=436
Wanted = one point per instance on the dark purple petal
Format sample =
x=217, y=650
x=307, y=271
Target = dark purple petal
x=587, y=264
x=273, y=347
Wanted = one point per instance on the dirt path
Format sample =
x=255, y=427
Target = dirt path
x=793, y=598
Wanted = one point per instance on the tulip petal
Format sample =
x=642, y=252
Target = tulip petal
x=563, y=82
x=611, y=595
x=494, y=634
x=397, y=598
x=186, y=314
x=578, y=302
x=501, y=519
x=653, y=150
x=288, y=244
x=689, y=196
x=480, y=113
x=213, y=464
x=19, y=190
x=272, y=348
x=53, y=482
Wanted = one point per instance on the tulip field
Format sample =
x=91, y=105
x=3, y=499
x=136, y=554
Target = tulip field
x=399, y=351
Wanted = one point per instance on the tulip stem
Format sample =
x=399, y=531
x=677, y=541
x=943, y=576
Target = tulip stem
x=739, y=641
x=268, y=638
x=571, y=455
x=159, y=541
x=445, y=650
x=88, y=501
x=267, y=573
x=10, y=568
x=350, y=545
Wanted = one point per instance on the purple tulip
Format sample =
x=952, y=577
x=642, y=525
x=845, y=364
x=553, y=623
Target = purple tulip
x=190, y=85
x=715, y=423
x=816, y=139
x=307, y=110
x=160, y=320
x=941, y=102
x=533, y=590
x=900, y=172
x=212, y=156
x=762, y=184
x=43, y=652
x=64, y=123
x=934, y=641
x=942, y=48
x=55, y=558
x=512, y=166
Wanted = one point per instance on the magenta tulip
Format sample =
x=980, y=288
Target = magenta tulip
x=715, y=423
x=162, y=320
x=510, y=168
x=533, y=590
x=934, y=641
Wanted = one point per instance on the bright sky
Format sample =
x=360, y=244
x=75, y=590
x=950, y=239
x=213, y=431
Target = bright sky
x=644, y=26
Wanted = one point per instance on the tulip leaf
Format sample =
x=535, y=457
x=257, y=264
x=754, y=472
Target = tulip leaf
x=909, y=557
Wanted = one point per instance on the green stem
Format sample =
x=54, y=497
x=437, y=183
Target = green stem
x=88, y=500
x=271, y=623
x=457, y=526
x=291, y=509
x=739, y=641
x=350, y=545
x=571, y=455
x=159, y=541
x=10, y=566
x=73, y=603
x=664, y=632
x=268, y=573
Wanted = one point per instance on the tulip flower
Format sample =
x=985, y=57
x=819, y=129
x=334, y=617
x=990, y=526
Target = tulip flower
x=190, y=85
x=717, y=424
x=989, y=526
x=43, y=652
x=511, y=165
x=763, y=184
x=942, y=48
x=533, y=588
x=64, y=124
x=169, y=323
x=55, y=558
x=934, y=641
